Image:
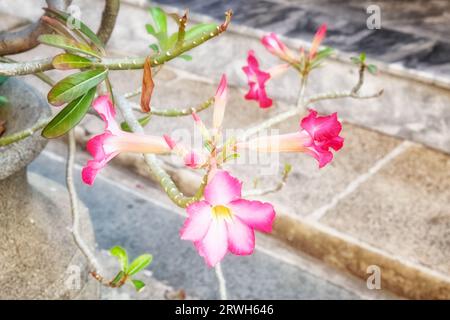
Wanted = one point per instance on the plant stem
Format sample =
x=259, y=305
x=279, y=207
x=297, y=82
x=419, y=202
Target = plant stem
x=222, y=282
x=23, y=68
x=301, y=103
x=94, y=264
x=158, y=172
x=23, y=134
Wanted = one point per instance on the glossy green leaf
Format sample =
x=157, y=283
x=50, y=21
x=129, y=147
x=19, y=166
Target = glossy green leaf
x=138, y=284
x=143, y=121
x=75, y=85
x=160, y=19
x=70, y=116
x=84, y=29
x=68, y=61
x=139, y=263
x=121, y=255
x=62, y=42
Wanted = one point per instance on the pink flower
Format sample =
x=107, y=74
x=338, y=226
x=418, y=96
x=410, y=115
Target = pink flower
x=316, y=137
x=192, y=159
x=220, y=101
x=257, y=81
x=224, y=221
x=113, y=141
x=318, y=38
x=276, y=47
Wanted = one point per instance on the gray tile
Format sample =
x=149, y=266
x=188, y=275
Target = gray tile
x=141, y=226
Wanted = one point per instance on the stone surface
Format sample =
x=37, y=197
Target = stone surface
x=37, y=254
x=25, y=107
x=140, y=224
x=38, y=259
x=404, y=209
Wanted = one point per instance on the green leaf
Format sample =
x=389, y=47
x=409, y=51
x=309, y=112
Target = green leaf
x=143, y=121
x=84, y=29
x=117, y=278
x=62, y=42
x=185, y=57
x=287, y=169
x=70, y=116
x=150, y=29
x=3, y=100
x=362, y=57
x=355, y=60
x=160, y=19
x=324, y=53
x=75, y=85
x=139, y=263
x=154, y=47
x=372, y=69
x=199, y=30
x=3, y=79
x=138, y=284
x=121, y=255
x=68, y=61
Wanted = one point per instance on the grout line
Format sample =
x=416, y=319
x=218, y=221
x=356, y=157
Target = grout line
x=352, y=186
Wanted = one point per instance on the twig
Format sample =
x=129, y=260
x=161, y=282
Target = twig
x=222, y=282
x=276, y=188
x=94, y=264
x=24, y=68
x=26, y=38
x=301, y=104
x=109, y=18
x=23, y=134
x=158, y=172
x=342, y=94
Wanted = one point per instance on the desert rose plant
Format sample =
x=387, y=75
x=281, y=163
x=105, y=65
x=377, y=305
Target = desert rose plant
x=220, y=218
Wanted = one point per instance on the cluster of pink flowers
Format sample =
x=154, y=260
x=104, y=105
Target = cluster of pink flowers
x=258, y=78
x=224, y=221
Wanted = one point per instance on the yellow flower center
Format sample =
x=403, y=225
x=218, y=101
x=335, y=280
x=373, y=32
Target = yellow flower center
x=221, y=212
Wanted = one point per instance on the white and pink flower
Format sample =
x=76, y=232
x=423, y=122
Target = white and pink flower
x=316, y=137
x=224, y=221
x=113, y=141
x=277, y=47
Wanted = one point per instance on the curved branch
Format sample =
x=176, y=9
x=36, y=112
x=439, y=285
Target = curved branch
x=25, y=39
x=109, y=17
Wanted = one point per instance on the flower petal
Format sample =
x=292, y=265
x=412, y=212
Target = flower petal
x=222, y=189
x=198, y=221
x=213, y=246
x=105, y=109
x=88, y=175
x=255, y=214
x=241, y=238
x=95, y=146
x=321, y=128
x=220, y=101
